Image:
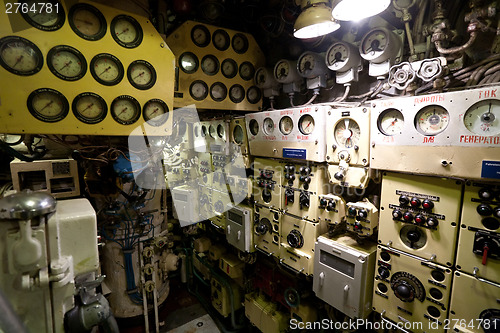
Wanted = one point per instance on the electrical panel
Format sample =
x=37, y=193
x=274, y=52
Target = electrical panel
x=343, y=274
x=238, y=137
x=224, y=299
x=267, y=182
x=218, y=132
x=479, y=310
x=479, y=239
x=331, y=209
x=362, y=218
x=297, y=243
x=410, y=290
x=239, y=228
x=420, y=215
x=455, y=131
x=186, y=200
x=267, y=228
x=297, y=133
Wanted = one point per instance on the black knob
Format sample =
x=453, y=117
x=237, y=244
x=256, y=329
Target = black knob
x=427, y=204
x=420, y=219
x=397, y=214
x=307, y=170
x=485, y=194
x=408, y=217
x=338, y=175
x=496, y=212
x=415, y=202
x=484, y=210
x=291, y=177
x=291, y=169
x=295, y=239
x=286, y=168
x=323, y=202
x=261, y=229
x=414, y=235
x=307, y=180
x=266, y=195
x=363, y=214
x=404, y=292
x=383, y=272
x=351, y=211
x=302, y=170
x=357, y=226
x=432, y=222
x=304, y=199
x=331, y=205
x=403, y=200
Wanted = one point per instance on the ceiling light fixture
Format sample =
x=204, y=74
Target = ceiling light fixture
x=315, y=20
x=356, y=10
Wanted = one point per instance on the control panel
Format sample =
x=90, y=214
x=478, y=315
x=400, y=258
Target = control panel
x=457, y=132
x=362, y=217
x=420, y=215
x=267, y=228
x=343, y=274
x=407, y=289
x=479, y=239
x=331, y=208
x=297, y=133
x=267, y=182
x=239, y=228
x=218, y=132
x=238, y=138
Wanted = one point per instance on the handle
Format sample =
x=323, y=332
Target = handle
x=321, y=279
x=483, y=280
x=432, y=258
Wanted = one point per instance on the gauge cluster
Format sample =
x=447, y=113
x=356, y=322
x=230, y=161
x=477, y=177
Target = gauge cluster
x=216, y=68
x=297, y=133
x=70, y=86
x=456, y=131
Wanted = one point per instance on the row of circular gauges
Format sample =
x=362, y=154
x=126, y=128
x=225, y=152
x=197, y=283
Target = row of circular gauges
x=210, y=65
x=306, y=125
x=218, y=91
x=220, y=132
x=482, y=118
x=49, y=105
x=200, y=35
x=20, y=56
x=86, y=21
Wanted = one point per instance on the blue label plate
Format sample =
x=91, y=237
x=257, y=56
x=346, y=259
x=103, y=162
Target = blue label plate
x=490, y=169
x=294, y=153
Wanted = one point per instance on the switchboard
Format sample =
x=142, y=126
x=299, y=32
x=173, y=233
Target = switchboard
x=267, y=229
x=362, y=217
x=268, y=176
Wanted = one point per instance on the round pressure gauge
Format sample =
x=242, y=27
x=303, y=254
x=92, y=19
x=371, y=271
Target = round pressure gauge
x=126, y=31
x=221, y=40
x=212, y=131
x=253, y=95
x=155, y=112
x=379, y=44
x=286, y=125
x=268, y=126
x=87, y=21
x=341, y=57
x=188, y=62
x=106, y=69
x=49, y=17
x=210, y=65
x=48, y=105
x=238, y=135
x=347, y=133
x=311, y=65
x=431, y=120
x=306, y=124
x=229, y=68
x=221, y=132
x=141, y=74
x=12, y=139
x=125, y=110
x=285, y=71
x=218, y=91
x=253, y=125
x=264, y=78
x=236, y=93
x=20, y=56
x=239, y=43
x=200, y=35
x=390, y=122
x=483, y=118
x=198, y=90
x=247, y=71
x=66, y=63
x=89, y=108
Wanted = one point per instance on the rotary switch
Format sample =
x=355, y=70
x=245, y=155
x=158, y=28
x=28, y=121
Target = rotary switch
x=403, y=200
x=407, y=287
x=304, y=199
x=420, y=219
x=289, y=196
x=414, y=235
x=427, y=204
x=484, y=210
x=486, y=245
x=485, y=194
x=295, y=239
x=263, y=226
x=351, y=211
x=496, y=212
x=331, y=205
x=383, y=272
x=415, y=202
x=397, y=214
x=362, y=214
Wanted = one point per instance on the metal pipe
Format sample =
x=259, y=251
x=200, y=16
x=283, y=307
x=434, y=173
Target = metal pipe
x=442, y=50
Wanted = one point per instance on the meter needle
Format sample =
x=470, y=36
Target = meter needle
x=18, y=60
x=107, y=69
x=47, y=105
x=66, y=65
x=88, y=107
x=122, y=32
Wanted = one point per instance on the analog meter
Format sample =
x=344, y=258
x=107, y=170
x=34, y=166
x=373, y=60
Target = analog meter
x=155, y=112
x=238, y=135
x=87, y=21
x=253, y=126
x=106, y=69
x=247, y=71
x=221, y=40
x=48, y=105
x=221, y=132
x=347, y=133
x=66, y=63
x=306, y=124
x=141, y=74
x=229, y=68
x=20, y=56
x=254, y=95
x=285, y=71
x=210, y=65
x=126, y=31
x=236, y=93
x=89, y=108
x=311, y=65
x=188, y=62
x=239, y=43
x=342, y=57
x=286, y=125
x=483, y=118
x=390, y=122
x=198, y=90
x=264, y=78
x=431, y=120
x=218, y=91
x=125, y=110
x=268, y=126
x=379, y=45
x=200, y=35
x=50, y=17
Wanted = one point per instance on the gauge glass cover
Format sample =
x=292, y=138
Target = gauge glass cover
x=188, y=62
x=286, y=125
x=87, y=21
x=106, y=69
x=141, y=74
x=66, y=63
x=49, y=17
x=221, y=40
x=229, y=68
x=239, y=43
x=268, y=126
x=125, y=110
x=247, y=71
x=347, y=133
x=306, y=124
x=254, y=95
x=218, y=91
x=48, y=105
x=200, y=35
x=432, y=120
x=390, y=122
x=126, y=31
x=155, y=112
x=198, y=90
x=20, y=56
x=254, y=127
x=238, y=135
x=210, y=65
x=89, y=108
x=236, y=93
x=483, y=118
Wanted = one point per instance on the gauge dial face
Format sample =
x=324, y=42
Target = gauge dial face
x=125, y=110
x=306, y=64
x=20, y=56
x=239, y=43
x=261, y=76
x=155, y=112
x=106, y=69
x=203, y=130
x=483, y=118
x=268, y=126
x=218, y=91
x=188, y=62
x=391, y=122
x=254, y=127
x=229, y=68
x=12, y=139
x=336, y=56
x=87, y=21
x=282, y=70
x=48, y=105
x=286, y=125
x=221, y=132
x=126, y=31
x=238, y=135
x=247, y=71
x=431, y=120
x=347, y=133
x=374, y=44
x=141, y=74
x=89, y=108
x=253, y=95
x=236, y=93
x=200, y=35
x=221, y=40
x=66, y=63
x=48, y=17
x=198, y=90
x=306, y=124
x=212, y=131
x=210, y=65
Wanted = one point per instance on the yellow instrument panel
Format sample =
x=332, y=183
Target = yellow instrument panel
x=83, y=69
x=216, y=68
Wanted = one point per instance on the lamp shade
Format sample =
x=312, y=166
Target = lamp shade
x=315, y=21
x=355, y=10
